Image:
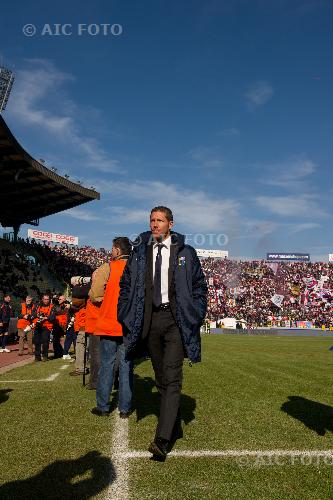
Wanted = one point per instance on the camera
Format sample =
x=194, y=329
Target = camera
x=28, y=328
x=71, y=322
x=41, y=318
x=80, y=280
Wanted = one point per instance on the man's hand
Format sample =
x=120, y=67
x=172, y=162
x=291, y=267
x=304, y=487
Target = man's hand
x=25, y=316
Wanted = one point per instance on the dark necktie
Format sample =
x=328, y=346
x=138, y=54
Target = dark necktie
x=157, y=295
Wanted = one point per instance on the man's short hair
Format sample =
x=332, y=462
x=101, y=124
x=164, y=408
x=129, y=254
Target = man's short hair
x=124, y=245
x=167, y=212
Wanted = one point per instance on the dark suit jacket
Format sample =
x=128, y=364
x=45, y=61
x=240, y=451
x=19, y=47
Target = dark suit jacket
x=149, y=288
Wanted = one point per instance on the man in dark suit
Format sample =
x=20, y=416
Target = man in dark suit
x=162, y=304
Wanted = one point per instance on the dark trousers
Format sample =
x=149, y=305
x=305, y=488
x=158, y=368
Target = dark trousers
x=3, y=335
x=57, y=347
x=167, y=356
x=69, y=340
x=94, y=341
x=41, y=341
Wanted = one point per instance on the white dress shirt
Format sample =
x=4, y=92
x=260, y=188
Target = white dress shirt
x=165, y=253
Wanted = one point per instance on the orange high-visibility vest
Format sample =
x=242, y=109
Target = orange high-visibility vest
x=107, y=322
x=44, y=311
x=61, y=319
x=22, y=322
x=92, y=312
x=80, y=319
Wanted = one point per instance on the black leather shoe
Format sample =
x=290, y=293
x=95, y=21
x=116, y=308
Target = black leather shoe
x=159, y=449
x=99, y=413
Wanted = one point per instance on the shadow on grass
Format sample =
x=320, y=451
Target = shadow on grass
x=146, y=402
x=4, y=395
x=61, y=480
x=316, y=416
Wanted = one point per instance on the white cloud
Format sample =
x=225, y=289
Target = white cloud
x=32, y=103
x=289, y=174
x=258, y=228
x=193, y=209
x=292, y=206
x=229, y=132
x=81, y=214
x=208, y=157
x=258, y=94
x=303, y=226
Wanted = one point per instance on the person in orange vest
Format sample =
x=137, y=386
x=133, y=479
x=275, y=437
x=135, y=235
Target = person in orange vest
x=61, y=306
x=43, y=321
x=92, y=312
x=111, y=334
x=25, y=324
x=79, y=300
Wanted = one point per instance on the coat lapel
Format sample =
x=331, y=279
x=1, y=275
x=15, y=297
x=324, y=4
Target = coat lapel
x=171, y=266
x=150, y=265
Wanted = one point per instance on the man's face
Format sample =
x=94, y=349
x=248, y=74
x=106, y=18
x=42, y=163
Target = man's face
x=28, y=301
x=115, y=252
x=46, y=300
x=7, y=298
x=159, y=225
x=61, y=299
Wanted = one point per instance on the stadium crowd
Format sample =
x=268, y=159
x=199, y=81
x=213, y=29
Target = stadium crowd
x=238, y=289
x=245, y=289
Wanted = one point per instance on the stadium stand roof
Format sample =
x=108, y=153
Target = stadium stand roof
x=29, y=190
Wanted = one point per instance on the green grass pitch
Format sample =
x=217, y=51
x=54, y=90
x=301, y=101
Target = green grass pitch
x=249, y=393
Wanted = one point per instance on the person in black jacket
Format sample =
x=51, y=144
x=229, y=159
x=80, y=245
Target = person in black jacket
x=6, y=312
x=162, y=304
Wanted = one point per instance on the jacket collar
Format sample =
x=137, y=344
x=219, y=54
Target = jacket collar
x=144, y=239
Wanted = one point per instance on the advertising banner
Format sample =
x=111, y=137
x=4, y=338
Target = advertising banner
x=304, y=324
x=288, y=256
x=37, y=234
x=201, y=252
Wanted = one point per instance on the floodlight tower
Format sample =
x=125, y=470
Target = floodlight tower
x=6, y=83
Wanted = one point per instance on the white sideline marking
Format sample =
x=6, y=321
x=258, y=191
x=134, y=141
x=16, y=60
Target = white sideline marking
x=51, y=378
x=234, y=453
x=63, y=367
x=118, y=488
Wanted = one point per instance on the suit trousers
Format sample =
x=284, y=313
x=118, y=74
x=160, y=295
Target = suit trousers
x=167, y=356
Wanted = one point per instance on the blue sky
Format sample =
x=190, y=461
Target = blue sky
x=220, y=109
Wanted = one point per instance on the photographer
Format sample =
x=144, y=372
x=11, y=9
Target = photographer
x=61, y=309
x=43, y=321
x=25, y=324
x=79, y=301
x=70, y=335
